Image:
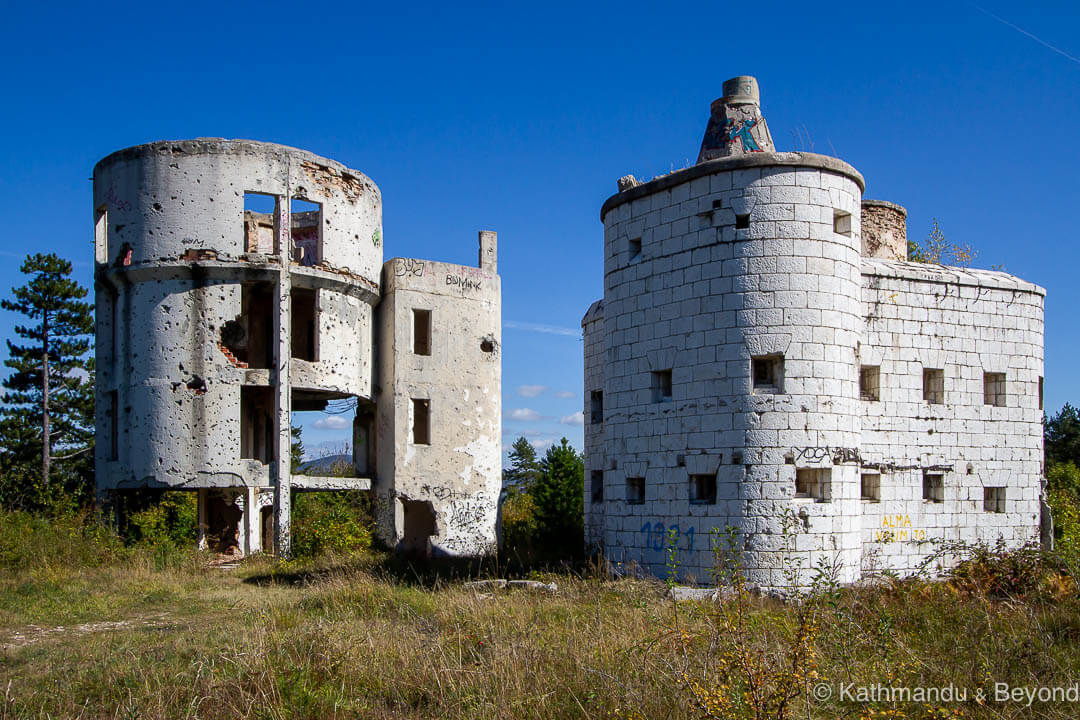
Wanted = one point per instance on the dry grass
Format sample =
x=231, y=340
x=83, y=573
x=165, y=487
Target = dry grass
x=360, y=638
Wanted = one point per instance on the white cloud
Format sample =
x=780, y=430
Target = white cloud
x=524, y=414
x=541, y=328
x=577, y=418
x=531, y=390
x=566, y=394
x=331, y=422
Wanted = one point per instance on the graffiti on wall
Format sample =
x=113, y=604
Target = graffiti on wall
x=465, y=519
x=838, y=455
x=657, y=536
x=408, y=266
x=463, y=283
x=897, y=528
x=114, y=201
x=740, y=131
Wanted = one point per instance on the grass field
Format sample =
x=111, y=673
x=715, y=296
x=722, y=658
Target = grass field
x=91, y=629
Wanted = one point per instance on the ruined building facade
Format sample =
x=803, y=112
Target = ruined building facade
x=766, y=358
x=237, y=282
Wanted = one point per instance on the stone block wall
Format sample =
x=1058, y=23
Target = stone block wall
x=710, y=272
x=759, y=374
x=934, y=333
x=596, y=491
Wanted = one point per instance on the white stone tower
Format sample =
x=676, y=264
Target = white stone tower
x=728, y=371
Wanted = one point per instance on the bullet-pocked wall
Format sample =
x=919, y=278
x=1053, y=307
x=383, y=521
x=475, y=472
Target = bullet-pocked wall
x=439, y=435
x=188, y=309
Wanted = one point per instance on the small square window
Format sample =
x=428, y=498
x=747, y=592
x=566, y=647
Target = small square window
x=742, y=222
x=661, y=386
x=596, y=407
x=933, y=386
x=597, y=486
x=421, y=422
x=421, y=332
x=717, y=204
x=994, y=499
x=841, y=223
x=870, y=487
x=635, y=248
x=814, y=484
x=767, y=372
x=994, y=389
x=933, y=487
x=635, y=490
x=703, y=489
x=870, y=382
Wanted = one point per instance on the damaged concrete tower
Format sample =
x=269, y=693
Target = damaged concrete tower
x=237, y=282
x=736, y=126
x=766, y=358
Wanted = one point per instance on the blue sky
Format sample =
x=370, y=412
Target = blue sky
x=520, y=117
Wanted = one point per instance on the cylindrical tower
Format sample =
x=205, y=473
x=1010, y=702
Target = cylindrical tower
x=730, y=326
x=235, y=282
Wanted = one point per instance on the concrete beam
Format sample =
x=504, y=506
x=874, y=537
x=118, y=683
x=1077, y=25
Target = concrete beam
x=318, y=482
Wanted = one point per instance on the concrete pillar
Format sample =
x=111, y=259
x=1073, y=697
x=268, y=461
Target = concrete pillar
x=203, y=497
x=282, y=471
x=489, y=251
x=252, y=523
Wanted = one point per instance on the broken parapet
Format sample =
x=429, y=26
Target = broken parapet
x=884, y=230
x=736, y=125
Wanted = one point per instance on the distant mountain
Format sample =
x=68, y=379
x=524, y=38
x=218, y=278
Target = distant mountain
x=322, y=465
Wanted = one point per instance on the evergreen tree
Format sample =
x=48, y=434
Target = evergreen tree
x=49, y=401
x=1062, y=433
x=559, y=494
x=296, y=449
x=524, y=467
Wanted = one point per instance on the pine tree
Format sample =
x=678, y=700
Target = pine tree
x=51, y=386
x=1062, y=434
x=560, y=501
x=524, y=467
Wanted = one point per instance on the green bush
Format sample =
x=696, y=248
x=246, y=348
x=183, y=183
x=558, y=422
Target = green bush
x=997, y=570
x=22, y=489
x=68, y=540
x=330, y=523
x=173, y=519
x=1065, y=509
x=519, y=525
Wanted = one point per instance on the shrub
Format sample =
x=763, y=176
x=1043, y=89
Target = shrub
x=997, y=570
x=172, y=519
x=1065, y=509
x=70, y=540
x=519, y=525
x=331, y=523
